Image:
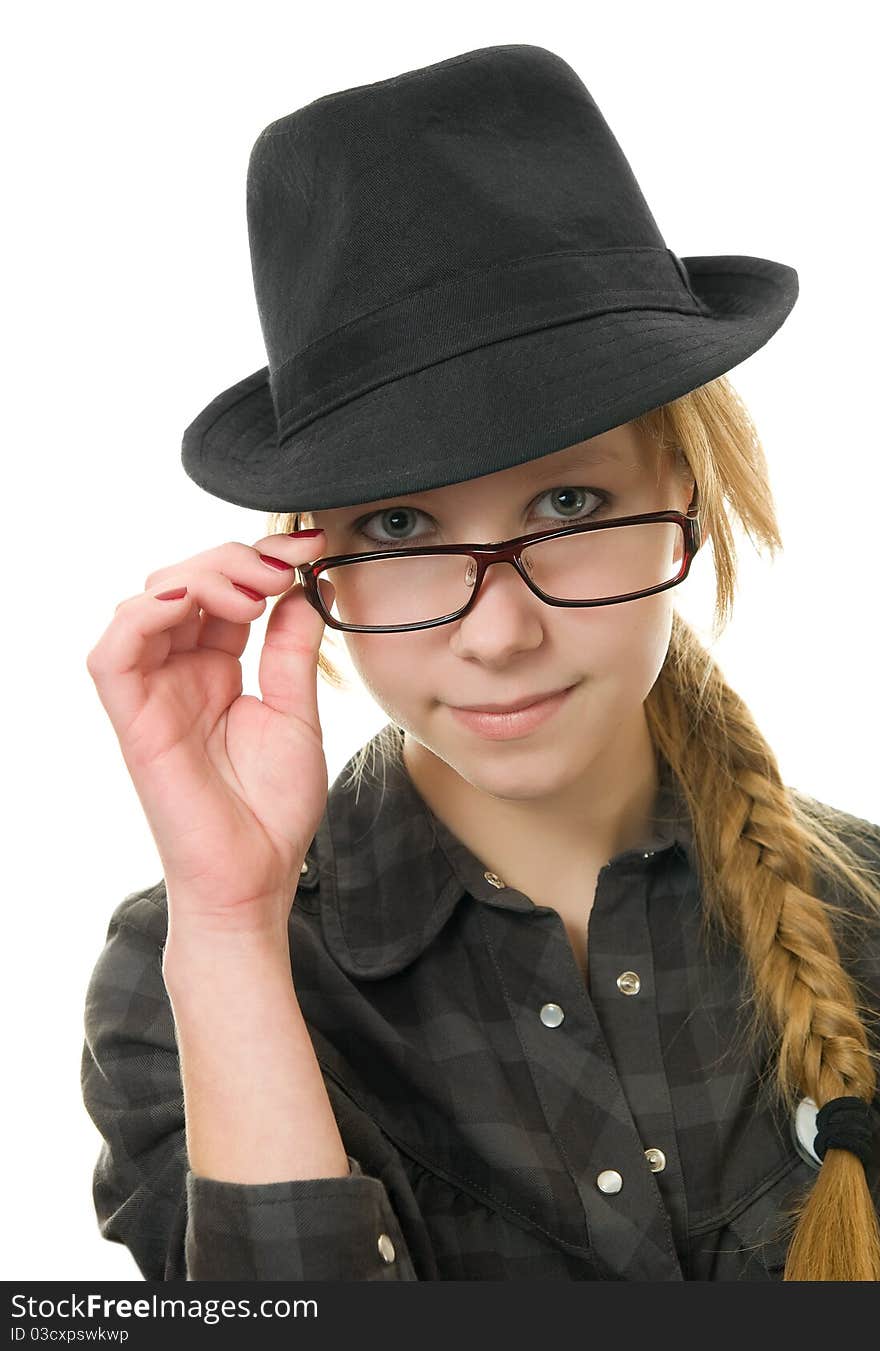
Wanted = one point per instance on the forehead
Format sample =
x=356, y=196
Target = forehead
x=622, y=448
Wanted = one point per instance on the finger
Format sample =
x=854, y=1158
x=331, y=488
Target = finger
x=209, y=560
x=239, y=561
x=268, y=566
x=221, y=635
x=146, y=630
x=288, y=672
x=138, y=641
x=200, y=628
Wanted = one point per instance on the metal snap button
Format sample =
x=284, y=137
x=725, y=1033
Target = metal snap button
x=386, y=1248
x=609, y=1181
x=656, y=1160
x=304, y=868
x=551, y=1015
x=494, y=879
x=628, y=982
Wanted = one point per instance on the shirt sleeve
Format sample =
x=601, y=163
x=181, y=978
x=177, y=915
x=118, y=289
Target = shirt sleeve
x=177, y=1225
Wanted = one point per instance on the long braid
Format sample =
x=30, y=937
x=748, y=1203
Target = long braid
x=757, y=878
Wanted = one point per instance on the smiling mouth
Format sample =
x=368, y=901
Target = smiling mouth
x=528, y=702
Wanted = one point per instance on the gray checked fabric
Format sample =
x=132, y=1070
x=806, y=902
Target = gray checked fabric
x=503, y=1120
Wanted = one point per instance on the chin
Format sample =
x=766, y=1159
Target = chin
x=518, y=771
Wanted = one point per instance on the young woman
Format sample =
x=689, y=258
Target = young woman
x=581, y=990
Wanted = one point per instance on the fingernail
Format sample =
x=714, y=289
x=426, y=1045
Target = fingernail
x=275, y=562
x=178, y=594
x=304, y=534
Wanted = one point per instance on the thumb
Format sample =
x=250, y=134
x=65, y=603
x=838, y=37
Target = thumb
x=288, y=673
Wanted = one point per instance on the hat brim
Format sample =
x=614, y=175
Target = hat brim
x=490, y=408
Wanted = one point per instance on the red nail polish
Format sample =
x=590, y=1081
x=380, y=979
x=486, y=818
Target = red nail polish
x=304, y=534
x=275, y=562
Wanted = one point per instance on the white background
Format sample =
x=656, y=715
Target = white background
x=128, y=305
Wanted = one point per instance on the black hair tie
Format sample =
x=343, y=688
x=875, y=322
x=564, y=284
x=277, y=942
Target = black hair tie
x=845, y=1123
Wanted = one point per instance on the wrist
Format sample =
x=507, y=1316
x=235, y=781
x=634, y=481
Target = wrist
x=193, y=955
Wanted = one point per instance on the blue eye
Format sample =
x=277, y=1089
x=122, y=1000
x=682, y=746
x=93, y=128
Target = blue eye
x=390, y=517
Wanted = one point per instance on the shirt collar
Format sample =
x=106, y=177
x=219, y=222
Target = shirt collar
x=391, y=872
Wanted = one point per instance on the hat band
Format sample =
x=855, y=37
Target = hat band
x=469, y=312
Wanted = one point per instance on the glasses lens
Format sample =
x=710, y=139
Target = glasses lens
x=596, y=565
x=385, y=592
x=606, y=564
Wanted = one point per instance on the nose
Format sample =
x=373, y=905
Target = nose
x=471, y=570
x=504, y=619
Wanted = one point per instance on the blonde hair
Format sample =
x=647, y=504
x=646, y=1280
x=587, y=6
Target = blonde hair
x=769, y=859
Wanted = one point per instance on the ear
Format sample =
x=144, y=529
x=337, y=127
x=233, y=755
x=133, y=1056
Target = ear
x=688, y=486
x=686, y=491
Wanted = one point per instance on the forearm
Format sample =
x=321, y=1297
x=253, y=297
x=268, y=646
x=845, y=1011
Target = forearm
x=255, y=1102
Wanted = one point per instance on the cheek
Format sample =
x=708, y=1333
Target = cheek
x=385, y=668
x=626, y=644
x=622, y=644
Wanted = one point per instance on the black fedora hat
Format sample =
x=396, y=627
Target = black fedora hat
x=456, y=271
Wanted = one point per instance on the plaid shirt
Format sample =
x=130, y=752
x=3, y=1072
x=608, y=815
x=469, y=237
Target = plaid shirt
x=501, y=1122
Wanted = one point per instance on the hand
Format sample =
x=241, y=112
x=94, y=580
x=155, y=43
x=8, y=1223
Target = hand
x=233, y=786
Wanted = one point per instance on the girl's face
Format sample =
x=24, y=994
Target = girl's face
x=512, y=645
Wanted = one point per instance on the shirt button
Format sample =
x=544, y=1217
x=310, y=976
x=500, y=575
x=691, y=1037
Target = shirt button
x=551, y=1015
x=494, y=879
x=656, y=1160
x=609, y=1181
x=650, y=854
x=628, y=982
x=386, y=1248
x=304, y=868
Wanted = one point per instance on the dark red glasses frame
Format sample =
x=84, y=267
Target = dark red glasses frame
x=508, y=551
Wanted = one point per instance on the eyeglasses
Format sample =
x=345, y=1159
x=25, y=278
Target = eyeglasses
x=602, y=563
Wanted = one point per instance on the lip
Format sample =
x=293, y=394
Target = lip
x=506, y=725
x=514, y=707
